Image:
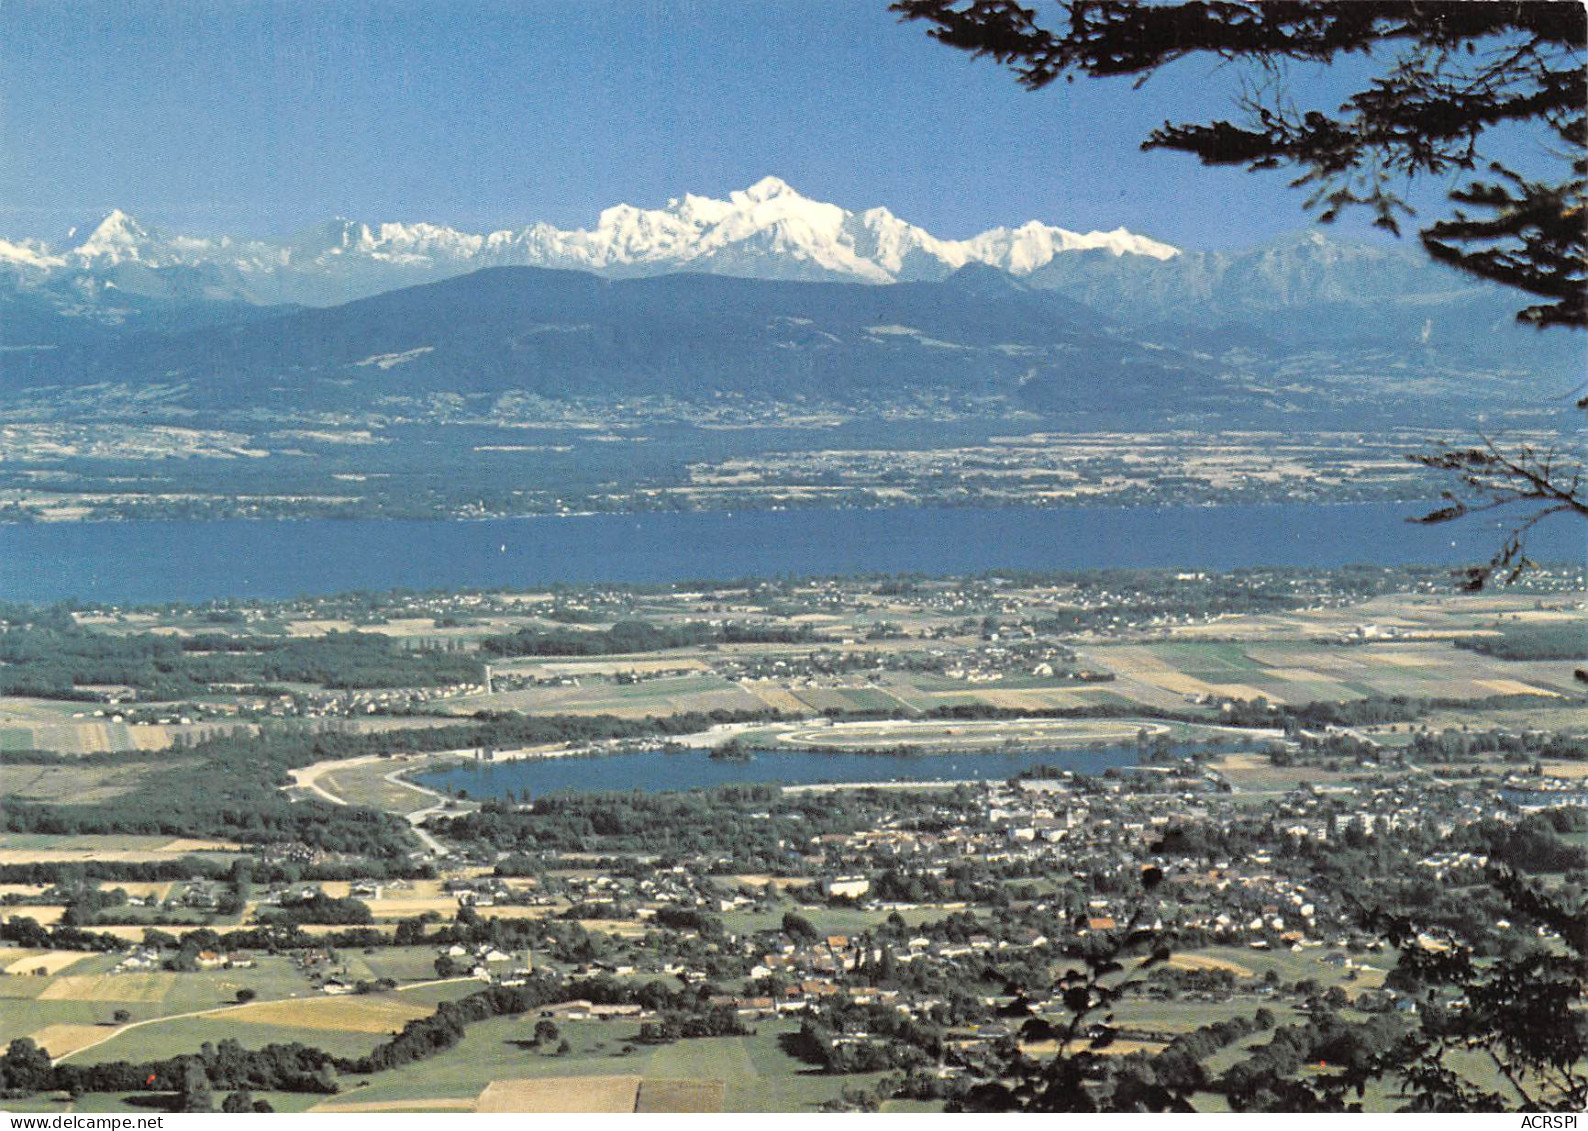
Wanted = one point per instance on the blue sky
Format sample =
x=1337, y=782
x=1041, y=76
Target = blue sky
x=263, y=118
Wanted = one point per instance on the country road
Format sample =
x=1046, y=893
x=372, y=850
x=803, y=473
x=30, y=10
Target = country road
x=417, y=817
x=308, y=778
x=118, y=1030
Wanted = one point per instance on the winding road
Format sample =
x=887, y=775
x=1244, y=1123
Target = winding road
x=118, y=1030
x=308, y=778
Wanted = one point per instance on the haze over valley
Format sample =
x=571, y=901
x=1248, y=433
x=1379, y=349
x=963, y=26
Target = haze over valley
x=736, y=340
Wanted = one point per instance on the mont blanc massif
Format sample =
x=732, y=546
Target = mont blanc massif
x=851, y=356
x=708, y=298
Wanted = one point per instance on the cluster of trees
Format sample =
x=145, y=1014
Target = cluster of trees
x=19, y=930
x=1249, y=712
x=77, y=873
x=759, y=827
x=1162, y=1081
x=1187, y=1052
x=846, y=1037
x=1372, y=710
x=1455, y=746
x=971, y=881
x=1530, y=844
x=318, y=908
x=629, y=636
x=1267, y=1080
x=1171, y=981
x=1560, y=641
x=26, y=1069
x=674, y=1025
x=55, y=660
x=1331, y=749
x=571, y=941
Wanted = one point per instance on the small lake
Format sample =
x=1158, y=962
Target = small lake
x=149, y=562
x=657, y=771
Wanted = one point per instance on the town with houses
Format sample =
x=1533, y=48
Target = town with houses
x=877, y=834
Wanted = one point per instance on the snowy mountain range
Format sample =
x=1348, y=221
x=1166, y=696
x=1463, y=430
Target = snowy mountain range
x=767, y=231
x=1305, y=296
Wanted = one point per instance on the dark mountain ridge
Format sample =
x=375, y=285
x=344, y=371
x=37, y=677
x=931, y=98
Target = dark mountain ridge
x=1303, y=325
x=571, y=334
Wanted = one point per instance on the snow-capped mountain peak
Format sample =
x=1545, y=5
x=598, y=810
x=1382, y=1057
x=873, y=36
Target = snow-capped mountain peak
x=768, y=230
x=115, y=238
x=767, y=188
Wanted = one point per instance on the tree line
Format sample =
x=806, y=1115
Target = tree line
x=631, y=636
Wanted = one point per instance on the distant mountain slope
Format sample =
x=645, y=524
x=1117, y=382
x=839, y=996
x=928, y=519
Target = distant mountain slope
x=574, y=334
x=1309, y=292
x=980, y=340
x=78, y=307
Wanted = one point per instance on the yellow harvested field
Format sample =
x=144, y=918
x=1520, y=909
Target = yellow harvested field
x=1118, y=1048
x=556, y=1095
x=408, y=907
x=1134, y=661
x=320, y=627
x=44, y=962
x=1207, y=962
x=1513, y=687
x=401, y=902
x=1397, y=659
x=58, y=1040
x=628, y=928
x=428, y=1103
x=1367, y=978
x=1036, y=700
x=28, y=891
x=778, y=698
x=189, y=845
x=1245, y=691
x=9, y=954
x=577, y=668
x=91, y=738
x=150, y=737
x=362, y=1013
x=160, y=890
x=386, y=911
x=130, y=932
x=1176, y=682
x=70, y=855
x=761, y=880
x=146, y=989
x=687, y=1096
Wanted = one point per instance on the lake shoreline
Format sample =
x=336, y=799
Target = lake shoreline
x=131, y=563
x=656, y=770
